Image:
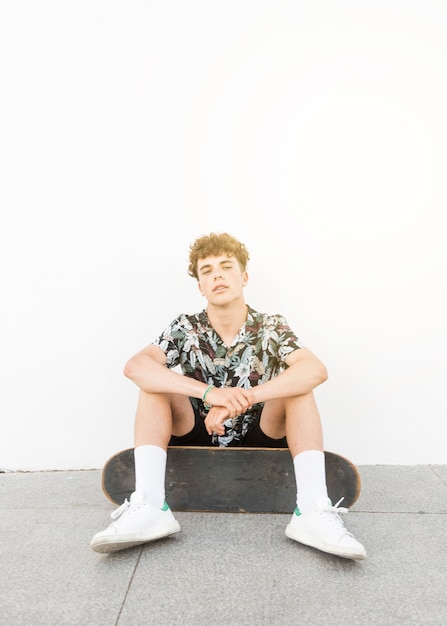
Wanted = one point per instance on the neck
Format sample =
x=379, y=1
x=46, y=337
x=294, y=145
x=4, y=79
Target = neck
x=227, y=321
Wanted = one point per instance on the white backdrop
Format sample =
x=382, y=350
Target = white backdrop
x=314, y=131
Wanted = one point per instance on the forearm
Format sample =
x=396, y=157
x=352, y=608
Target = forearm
x=300, y=378
x=153, y=377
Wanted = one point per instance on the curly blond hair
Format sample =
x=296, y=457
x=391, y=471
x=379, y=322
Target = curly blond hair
x=215, y=244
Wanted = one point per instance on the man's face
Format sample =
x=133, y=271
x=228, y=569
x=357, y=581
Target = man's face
x=221, y=279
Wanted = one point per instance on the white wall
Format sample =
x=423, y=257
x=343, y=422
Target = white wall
x=314, y=131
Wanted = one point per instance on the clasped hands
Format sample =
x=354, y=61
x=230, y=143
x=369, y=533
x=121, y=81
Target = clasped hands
x=226, y=402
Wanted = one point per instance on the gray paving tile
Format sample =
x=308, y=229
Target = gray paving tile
x=43, y=489
x=440, y=471
x=50, y=576
x=242, y=570
x=391, y=488
x=222, y=568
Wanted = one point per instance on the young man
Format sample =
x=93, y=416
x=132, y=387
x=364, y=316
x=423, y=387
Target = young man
x=246, y=380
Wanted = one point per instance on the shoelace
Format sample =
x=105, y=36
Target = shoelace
x=335, y=518
x=336, y=508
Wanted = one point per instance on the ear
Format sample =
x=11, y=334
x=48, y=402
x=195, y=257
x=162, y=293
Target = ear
x=244, y=278
x=200, y=288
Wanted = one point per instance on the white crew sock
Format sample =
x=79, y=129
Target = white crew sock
x=310, y=476
x=150, y=474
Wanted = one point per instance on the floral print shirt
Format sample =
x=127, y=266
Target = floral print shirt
x=256, y=355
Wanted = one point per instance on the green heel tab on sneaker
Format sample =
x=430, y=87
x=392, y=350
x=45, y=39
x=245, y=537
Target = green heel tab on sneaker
x=297, y=512
x=165, y=507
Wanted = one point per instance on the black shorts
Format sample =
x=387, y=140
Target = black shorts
x=198, y=436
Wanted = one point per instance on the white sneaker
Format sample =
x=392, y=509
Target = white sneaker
x=135, y=522
x=323, y=529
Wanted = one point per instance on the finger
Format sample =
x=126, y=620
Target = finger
x=208, y=426
x=211, y=424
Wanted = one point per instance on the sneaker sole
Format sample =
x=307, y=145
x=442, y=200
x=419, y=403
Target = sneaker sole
x=104, y=545
x=336, y=550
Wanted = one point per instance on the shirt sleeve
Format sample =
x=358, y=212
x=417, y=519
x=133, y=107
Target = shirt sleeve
x=171, y=341
x=286, y=340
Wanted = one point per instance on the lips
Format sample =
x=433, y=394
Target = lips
x=219, y=288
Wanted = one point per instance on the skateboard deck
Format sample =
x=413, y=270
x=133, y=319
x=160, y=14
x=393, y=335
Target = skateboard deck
x=231, y=480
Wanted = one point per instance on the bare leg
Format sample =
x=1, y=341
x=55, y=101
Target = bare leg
x=298, y=419
x=159, y=416
x=303, y=424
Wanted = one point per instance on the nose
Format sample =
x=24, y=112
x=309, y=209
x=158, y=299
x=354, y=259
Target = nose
x=216, y=276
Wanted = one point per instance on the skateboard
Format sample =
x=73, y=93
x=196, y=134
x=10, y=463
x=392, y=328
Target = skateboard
x=232, y=480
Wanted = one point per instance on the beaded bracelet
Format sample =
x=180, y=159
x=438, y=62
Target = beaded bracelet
x=205, y=393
